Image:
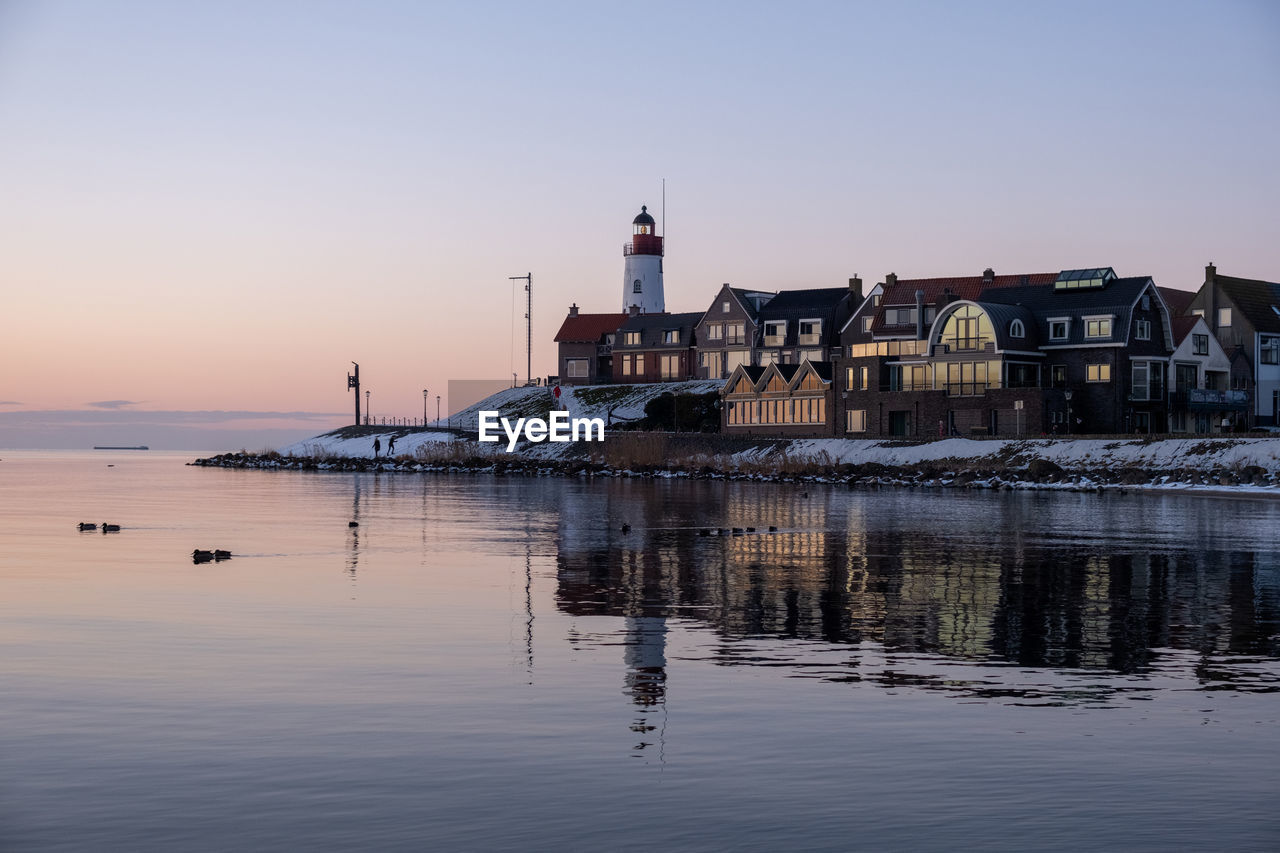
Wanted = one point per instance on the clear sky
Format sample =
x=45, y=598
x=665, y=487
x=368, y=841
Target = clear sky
x=215, y=207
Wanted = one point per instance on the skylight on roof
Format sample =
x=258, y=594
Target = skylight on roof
x=1084, y=279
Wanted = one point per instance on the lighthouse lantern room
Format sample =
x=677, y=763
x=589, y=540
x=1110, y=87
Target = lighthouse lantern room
x=642, y=275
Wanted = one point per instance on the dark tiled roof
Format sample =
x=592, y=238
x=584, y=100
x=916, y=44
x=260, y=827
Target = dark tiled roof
x=651, y=327
x=749, y=298
x=1177, y=300
x=1255, y=299
x=589, y=328
x=1002, y=317
x=1116, y=298
x=1182, y=327
x=824, y=370
x=828, y=304
x=902, y=294
x=795, y=302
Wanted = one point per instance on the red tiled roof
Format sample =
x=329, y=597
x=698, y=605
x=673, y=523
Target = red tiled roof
x=902, y=294
x=1177, y=300
x=1182, y=327
x=588, y=328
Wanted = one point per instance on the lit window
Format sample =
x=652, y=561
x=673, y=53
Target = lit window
x=640, y=365
x=724, y=307
x=866, y=323
x=1097, y=373
x=1097, y=328
x=1224, y=316
x=864, y=375
x=671, y=336
x=715, y=332
x=626, y=365
x=631, y=339
x=1142, y=330
x=856, y=420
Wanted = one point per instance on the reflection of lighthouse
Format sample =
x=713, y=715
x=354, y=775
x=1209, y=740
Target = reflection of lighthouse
x=646, y=659
x=642, y=275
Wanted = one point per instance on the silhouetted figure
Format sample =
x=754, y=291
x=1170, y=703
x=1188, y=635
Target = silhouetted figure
x=391, y=446
x=377, y=445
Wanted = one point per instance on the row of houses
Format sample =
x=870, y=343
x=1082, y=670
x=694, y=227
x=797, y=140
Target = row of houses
x=1074, y=351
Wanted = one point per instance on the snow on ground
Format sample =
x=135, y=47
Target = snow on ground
x=331, y=444
x=619, y=402
x=1071, y=454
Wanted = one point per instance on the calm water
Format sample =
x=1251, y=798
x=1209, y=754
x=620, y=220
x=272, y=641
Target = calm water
x=492, y=664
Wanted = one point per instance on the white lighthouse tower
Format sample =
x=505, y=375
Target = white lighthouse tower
x=642, y=276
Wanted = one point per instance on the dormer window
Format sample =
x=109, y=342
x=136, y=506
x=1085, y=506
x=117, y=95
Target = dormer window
x=1059, y=328
x=1017, y=330
x=671, y=336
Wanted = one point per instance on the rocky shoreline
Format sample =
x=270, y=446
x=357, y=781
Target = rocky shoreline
x=1043, y=474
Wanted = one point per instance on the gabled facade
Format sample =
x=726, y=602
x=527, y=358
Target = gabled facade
x=1244, y=315
x=1084, y=351
x=656, y=348
x=1199, y=379
x=585, y=347
x=784, y=400
x=727, y=331
x=804, y=325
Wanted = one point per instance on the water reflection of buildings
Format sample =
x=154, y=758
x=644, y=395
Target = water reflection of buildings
x=831, y=574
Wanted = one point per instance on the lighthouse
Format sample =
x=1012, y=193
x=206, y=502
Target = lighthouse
x=642, y=270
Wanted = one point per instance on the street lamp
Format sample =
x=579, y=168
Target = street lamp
x=424, y=407
x=1067, y=394
x=437, y=410
x=366, y=408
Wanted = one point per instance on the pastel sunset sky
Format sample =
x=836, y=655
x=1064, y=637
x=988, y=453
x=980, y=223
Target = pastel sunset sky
x=208, y=210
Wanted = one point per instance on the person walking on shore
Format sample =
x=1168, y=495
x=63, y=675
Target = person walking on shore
x=377, y=445
x=391, y=447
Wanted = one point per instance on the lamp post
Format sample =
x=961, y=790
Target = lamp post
x=437, y=410
x=1067, y=394
x=424, y=407
x=366, y=408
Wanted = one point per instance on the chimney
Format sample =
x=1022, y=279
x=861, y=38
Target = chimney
x=919, y=315
x=855, y=288
x=573, y=310
x=890, y=280
x=988, y=275
x=1211, y=296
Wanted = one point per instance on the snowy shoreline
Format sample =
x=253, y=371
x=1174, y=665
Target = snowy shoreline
x=1238, y=467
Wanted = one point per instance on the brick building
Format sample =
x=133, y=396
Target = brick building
x=656, y=348
x=585, y=345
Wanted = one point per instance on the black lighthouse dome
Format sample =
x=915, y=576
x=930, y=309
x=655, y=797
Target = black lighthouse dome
x=643, y=224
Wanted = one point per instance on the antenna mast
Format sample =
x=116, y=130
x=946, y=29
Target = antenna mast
x=528, y=324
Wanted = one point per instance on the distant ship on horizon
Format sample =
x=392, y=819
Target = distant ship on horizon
x=118, y=447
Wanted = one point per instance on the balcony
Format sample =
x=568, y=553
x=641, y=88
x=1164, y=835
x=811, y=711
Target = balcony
x=773, y=340
x=1206, y=399
x=643, y=244
x=808, y=340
